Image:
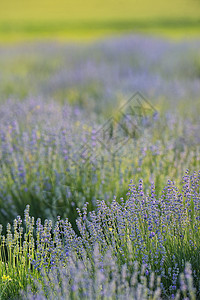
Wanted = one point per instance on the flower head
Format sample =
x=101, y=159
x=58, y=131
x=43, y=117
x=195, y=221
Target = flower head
x=6, y=278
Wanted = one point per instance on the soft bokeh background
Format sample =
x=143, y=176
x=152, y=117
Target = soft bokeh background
x=21, y=19
x=66, y=68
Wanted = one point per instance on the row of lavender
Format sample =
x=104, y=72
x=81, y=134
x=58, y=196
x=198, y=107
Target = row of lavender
x=41, y=139
x=95, y=75
x=145, y=247
x=41, y=163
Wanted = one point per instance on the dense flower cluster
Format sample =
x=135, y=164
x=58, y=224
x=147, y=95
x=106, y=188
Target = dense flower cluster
x=103, y=279
x=161, y=234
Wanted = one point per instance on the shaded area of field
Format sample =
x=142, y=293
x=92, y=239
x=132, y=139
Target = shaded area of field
x=18, y=31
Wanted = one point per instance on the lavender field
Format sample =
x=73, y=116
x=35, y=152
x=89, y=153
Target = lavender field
x=100, y=169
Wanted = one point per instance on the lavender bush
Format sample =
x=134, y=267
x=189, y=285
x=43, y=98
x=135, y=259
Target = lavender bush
x=79, y=281
x=161, y=234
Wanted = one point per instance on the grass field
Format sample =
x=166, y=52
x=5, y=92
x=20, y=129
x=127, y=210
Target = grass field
x=21, y=20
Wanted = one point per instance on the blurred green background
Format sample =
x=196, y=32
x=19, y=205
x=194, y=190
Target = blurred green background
x=67, y=19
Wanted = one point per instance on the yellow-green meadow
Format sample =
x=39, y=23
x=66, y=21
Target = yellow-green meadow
x=27, y=20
